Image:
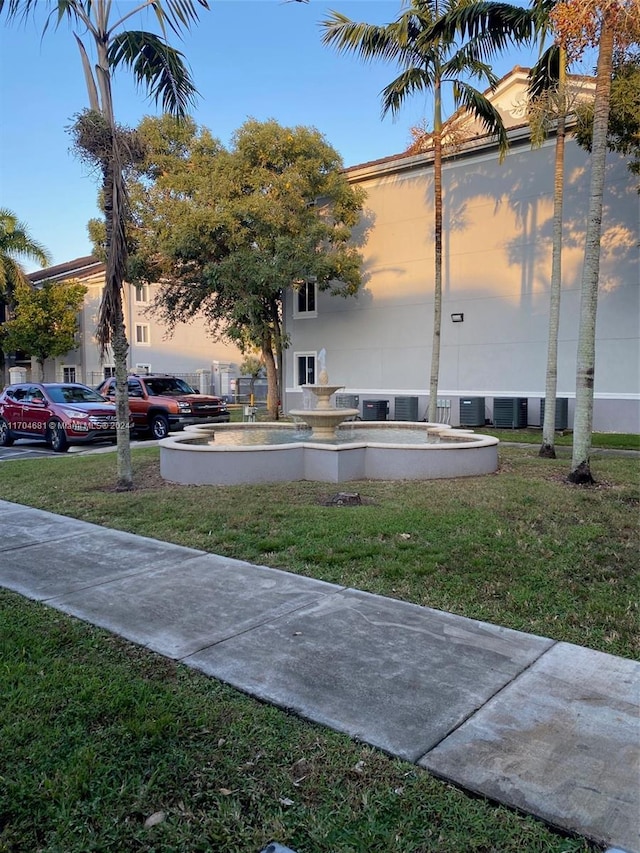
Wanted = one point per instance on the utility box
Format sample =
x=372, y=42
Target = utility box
x=375, y=410
x=562, y=412
x=347, y=401
x=472, y=411
x=510, y=412
x=406, y=409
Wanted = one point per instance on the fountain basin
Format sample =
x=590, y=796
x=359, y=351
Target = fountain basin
x=361, y=451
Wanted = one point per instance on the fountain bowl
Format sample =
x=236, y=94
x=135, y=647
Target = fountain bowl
x=357, y=451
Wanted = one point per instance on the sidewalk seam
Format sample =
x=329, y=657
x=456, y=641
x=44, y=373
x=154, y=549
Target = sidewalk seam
x=472, y=713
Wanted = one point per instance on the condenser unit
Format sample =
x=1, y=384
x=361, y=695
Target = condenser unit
x=472, y=411
x=406, y=409
x=562, y=412
x=510, y=412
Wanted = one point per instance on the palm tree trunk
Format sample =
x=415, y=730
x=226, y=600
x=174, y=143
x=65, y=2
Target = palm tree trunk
x=111, y=322
x=585, y=369
x=549, y=426
x=437, y=285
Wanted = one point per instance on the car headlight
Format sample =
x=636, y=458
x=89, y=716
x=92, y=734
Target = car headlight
x=75, y=414
x=185, y=408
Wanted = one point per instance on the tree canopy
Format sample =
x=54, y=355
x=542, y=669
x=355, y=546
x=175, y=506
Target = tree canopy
x=227, y=231
x=45, y=321
x=624, y=111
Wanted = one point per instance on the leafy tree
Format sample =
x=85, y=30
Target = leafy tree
x=425, y=41
x=228, y=232
x=605, y=23
x=99, y=28
x=624, y=113
x=253, y=367
x=45, y=321
x=15, y=245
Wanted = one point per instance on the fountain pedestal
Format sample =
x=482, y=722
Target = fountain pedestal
x=325, y=418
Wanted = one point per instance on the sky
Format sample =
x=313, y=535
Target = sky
x=260, y=59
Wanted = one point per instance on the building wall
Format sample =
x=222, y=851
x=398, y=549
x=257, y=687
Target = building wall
x=496, y=270
x=189, y=351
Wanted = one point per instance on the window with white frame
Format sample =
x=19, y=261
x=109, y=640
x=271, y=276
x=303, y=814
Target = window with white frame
x=69, y=373
x=142, y=293
x=142, y=334
x=305, y=368
x=109, y=371
x=305, y=299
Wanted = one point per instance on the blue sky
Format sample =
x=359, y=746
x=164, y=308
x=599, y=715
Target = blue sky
x=249, y=58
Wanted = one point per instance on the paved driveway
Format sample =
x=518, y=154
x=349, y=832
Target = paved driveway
x=25, y=448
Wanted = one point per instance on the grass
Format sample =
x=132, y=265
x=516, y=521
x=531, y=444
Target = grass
x=98, y=735
x=100, y=738
x=599, y=440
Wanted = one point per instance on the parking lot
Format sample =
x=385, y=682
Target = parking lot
x=24, y=448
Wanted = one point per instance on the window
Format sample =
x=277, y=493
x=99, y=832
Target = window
x=142, y=334
x=142, y=293
x=305, y=299
x=134, y=387
x=109, y=371
x=305, y=368
x=69, y=374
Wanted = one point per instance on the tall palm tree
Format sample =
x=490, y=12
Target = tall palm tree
x=16, y=246
x=607, y=23
x=548, y=102
x=424, y=41
x=100, y=29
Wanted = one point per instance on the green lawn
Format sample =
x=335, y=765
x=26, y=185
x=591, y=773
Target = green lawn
x=97, y=735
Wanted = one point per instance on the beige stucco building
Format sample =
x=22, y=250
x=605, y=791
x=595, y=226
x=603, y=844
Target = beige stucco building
x=189, y=352
x=496, y=274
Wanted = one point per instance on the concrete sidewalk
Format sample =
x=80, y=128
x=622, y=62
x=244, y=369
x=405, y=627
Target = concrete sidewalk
x=547, y=727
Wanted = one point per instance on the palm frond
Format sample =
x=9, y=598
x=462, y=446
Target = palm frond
x=156, y=65
x=484, y=111
x=499, y=22
x=409, y=81
x=177, y=14
x=545, y=73
x=367, y=41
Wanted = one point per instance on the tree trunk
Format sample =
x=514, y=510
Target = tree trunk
x=437, y=286
x=272, y=378
x=111, y=323
x=585, y=369
x=120, y=348
x=547, y=449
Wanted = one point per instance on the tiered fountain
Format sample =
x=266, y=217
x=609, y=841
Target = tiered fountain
x=325, y=418
x=261, y=453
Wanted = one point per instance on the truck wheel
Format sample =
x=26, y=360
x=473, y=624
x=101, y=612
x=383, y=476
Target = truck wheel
x=159, y=426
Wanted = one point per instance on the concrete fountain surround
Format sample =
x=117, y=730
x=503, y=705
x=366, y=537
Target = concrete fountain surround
x=194, y=457
x=187, y=457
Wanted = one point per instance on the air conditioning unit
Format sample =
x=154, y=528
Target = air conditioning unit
x=406, y=409
x=375, y=410
x=510, y=412
x=472, y=411
x=562, y=412
x=347, y=401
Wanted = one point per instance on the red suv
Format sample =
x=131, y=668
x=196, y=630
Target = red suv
x=59, y=413
x=160, y=402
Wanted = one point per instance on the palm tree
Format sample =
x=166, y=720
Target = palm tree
x=424, y=42
x=548, y=104
x=605, y=23
x=16, y=245
x=100, y=29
